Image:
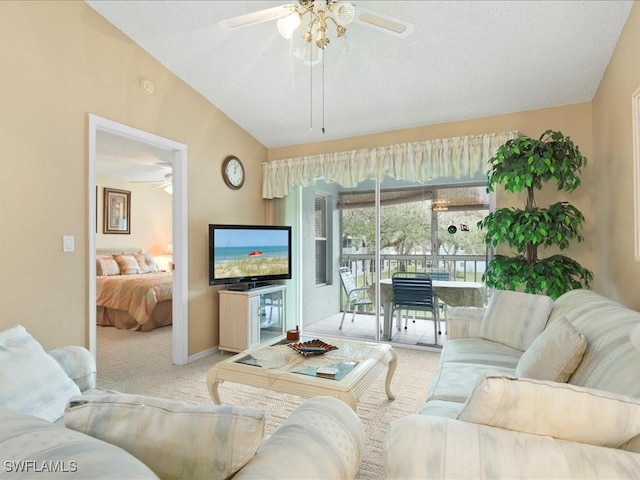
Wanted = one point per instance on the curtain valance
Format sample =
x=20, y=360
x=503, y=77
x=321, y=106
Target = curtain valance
x=456, y=157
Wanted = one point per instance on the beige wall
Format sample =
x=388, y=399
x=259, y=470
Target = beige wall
x=618, y=272
x=60, y=62
x=150, y=217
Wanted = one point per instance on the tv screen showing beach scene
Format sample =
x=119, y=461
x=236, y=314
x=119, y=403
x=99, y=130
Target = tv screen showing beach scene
x=249, y=253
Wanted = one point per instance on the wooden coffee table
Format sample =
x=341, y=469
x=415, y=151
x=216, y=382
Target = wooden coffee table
x=278, y=367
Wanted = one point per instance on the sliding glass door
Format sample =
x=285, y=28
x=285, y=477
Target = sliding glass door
x=352, y=240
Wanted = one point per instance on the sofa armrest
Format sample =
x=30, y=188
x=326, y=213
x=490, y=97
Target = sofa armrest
x=322, y=438
x=78, y=363
x=464, y=322
x=423, y=446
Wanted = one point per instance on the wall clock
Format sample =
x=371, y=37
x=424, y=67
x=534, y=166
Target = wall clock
x=233, y=172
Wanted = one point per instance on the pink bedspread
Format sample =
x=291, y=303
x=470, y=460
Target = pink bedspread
x=135, y=294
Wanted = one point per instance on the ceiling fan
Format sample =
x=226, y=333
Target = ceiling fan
x=166, y=184
x=289, y=17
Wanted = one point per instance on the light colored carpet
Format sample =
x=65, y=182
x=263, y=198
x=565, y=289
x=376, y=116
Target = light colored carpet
x=140, y=362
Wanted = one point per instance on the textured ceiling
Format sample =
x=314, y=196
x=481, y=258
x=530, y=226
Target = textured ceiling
x=117, y=156
x=464, y=59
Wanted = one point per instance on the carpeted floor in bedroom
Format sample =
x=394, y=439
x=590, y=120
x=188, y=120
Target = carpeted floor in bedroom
x=140, y=362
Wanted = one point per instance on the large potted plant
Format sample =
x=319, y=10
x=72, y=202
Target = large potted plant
x=525, y=164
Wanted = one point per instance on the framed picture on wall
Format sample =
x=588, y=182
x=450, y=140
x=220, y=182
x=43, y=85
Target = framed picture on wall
x=117, y=211
x=635, y=108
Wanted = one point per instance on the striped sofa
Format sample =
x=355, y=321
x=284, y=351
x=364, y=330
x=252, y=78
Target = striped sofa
x=560, y=400
x=55, y=422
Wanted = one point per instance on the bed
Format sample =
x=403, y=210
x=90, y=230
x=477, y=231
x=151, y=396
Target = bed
x=127, y=298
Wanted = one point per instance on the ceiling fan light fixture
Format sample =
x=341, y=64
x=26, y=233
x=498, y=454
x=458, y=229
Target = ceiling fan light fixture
x=344, y=12
x=288, y=24
x=320, y=15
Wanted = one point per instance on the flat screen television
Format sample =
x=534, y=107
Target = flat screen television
x=249, y=255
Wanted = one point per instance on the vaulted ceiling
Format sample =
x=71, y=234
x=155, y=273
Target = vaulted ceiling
x=462, y=60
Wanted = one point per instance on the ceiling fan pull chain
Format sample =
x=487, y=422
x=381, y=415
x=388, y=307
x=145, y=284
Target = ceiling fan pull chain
x=310, y=88
x=323, y=92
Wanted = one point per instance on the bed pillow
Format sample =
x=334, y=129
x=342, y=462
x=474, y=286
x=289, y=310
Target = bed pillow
x=175, y=439
x=31, y=381
x=106, y=266
x=559, y=410
x=128, y=264
x=142, y=263
x=515, y=319
x=555, y=354
x=151, y=262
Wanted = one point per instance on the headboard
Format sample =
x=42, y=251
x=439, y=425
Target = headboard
x=117, y=251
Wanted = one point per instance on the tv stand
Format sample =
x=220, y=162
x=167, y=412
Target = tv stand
x=245, y=287
x=251, y=317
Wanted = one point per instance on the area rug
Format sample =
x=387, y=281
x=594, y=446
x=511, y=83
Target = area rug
x=140, y=362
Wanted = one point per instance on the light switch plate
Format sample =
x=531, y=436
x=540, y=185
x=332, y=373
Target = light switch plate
x=68, y=243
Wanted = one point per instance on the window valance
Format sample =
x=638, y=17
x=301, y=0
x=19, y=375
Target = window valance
x=456, y=157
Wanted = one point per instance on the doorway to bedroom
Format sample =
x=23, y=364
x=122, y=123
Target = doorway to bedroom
x=145, y=176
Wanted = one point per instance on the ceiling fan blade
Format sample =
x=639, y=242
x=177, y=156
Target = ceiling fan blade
x=384, y=23
x=168, y=178
x=260, y=16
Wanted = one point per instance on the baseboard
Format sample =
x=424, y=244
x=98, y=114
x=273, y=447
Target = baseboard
x=202, y=354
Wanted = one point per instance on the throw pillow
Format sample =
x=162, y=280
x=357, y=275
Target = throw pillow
x=515, y=319
x=555, y=354
x=559, y=410
x=151, y=262
x=142, y=263
x=174, y=439
x=106, y=266
x=31, y=381
x=128, y=264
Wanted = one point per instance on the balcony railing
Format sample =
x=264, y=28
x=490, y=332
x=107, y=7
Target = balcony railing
x=463, y=268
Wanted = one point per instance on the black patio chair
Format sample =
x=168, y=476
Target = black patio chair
x=441, y=275
x=414, y=291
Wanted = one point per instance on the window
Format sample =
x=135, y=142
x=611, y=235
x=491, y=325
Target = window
x=321, y=239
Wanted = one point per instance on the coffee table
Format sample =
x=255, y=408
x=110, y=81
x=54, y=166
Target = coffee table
x=276, y=366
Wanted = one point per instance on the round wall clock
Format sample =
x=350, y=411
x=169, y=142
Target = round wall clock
x=233, y=172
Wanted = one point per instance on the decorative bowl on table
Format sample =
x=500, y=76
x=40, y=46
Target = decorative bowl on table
x=312, y=347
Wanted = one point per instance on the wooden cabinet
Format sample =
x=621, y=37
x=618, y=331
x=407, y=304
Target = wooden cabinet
x=250, y=318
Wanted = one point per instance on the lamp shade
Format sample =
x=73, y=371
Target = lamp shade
x=344, y=13
x=288, y=24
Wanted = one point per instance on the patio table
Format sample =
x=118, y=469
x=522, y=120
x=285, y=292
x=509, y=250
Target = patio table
x=453, y=293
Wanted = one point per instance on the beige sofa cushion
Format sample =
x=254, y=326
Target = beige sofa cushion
x=33, y=448
x=515, y=319
x=175, y=439
x=427, y=447
x=31, y=381
x=555, y=354
x=558, y=410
